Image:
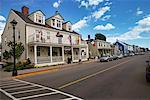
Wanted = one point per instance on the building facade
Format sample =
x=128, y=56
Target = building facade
x=47, y=41
x=99, y=48
x=122, y=48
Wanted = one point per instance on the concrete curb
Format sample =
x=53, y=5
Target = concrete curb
x=52, y=68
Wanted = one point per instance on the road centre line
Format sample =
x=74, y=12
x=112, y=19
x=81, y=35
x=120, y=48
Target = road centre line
x=89, y=76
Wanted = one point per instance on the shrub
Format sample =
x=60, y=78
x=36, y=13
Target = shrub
x=37, y=66
x=24, y=64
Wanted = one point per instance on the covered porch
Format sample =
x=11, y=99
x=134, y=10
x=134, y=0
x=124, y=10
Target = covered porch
x=103, y=52
x=46, y=55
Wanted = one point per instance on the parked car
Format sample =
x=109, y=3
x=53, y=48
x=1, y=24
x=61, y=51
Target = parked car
x=105, y=58
x=136, y=53
x=131, y=54
x=114, y=57
x=142, y=53
x=120, y=56
x=148, y=71
x=125, y=55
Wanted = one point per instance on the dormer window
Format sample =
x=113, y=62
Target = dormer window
x=58, y=23
x=53, y=22
x=69, y=27
x=39, y=18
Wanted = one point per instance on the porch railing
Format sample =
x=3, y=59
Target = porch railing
x=41, y=60
x=83, y=57
x=76, y=57
x=57, y=59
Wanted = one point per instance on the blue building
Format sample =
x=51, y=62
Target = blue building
x=122, y=47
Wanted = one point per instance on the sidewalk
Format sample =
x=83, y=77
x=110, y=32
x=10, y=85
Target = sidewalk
x=4, y=75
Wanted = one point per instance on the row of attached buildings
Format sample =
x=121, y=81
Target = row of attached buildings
x=52, y=41
x=103, y=48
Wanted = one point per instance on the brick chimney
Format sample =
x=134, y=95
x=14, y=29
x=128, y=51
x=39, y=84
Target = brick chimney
x=25, y=10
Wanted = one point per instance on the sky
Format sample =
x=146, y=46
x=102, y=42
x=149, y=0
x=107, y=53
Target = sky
x=124, y=20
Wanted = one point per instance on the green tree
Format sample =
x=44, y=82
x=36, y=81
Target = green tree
x=19, y=48
x=99, y=36
x=6, y=55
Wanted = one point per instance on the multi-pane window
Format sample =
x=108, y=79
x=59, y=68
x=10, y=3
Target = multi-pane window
x=58, y=23
x=48, y=51
x=48, y=35
x=19, y=35
x=38, y=51
x=39, y=18
x=59, y=40
x=53, y=22
x=69, y=27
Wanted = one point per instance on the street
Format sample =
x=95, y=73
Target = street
x=114, y=80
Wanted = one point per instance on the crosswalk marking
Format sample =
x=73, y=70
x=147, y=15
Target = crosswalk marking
x=14, y=85
x=19, y=88
x=8, y=90
x=39, y=95
x=6, y=84
x=26, y=91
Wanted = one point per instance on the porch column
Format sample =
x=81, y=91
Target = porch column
x=51, y=54
x=63, y=53
x=87, y=52
x=35, y=54
x=72, y=53
x=79, y=52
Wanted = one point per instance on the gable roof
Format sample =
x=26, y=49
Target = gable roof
x=27, y=20
x=67, y=22
x=57, y=13
x=37, y=11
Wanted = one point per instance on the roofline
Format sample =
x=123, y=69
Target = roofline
x=55, y=15
x=35, y=12
x=45, y=26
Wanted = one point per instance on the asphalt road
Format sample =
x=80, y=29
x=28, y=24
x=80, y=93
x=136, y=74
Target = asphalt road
x=114, y=80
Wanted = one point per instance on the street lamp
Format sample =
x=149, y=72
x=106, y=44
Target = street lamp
x=14, y=23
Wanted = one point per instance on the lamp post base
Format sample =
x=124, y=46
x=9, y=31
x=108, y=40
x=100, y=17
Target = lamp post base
x=14, y=73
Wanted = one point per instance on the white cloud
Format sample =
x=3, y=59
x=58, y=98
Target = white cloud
x=98, y=14
x=106, y=27
x=80, y=24
x=139, y=11
x=108, y=3
x=2, y=18
x=94, y=2
x=106, y=17
x=89, y=3
x=57, y=4
x=2, y=24
x=84, y=4
x=142, y=25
